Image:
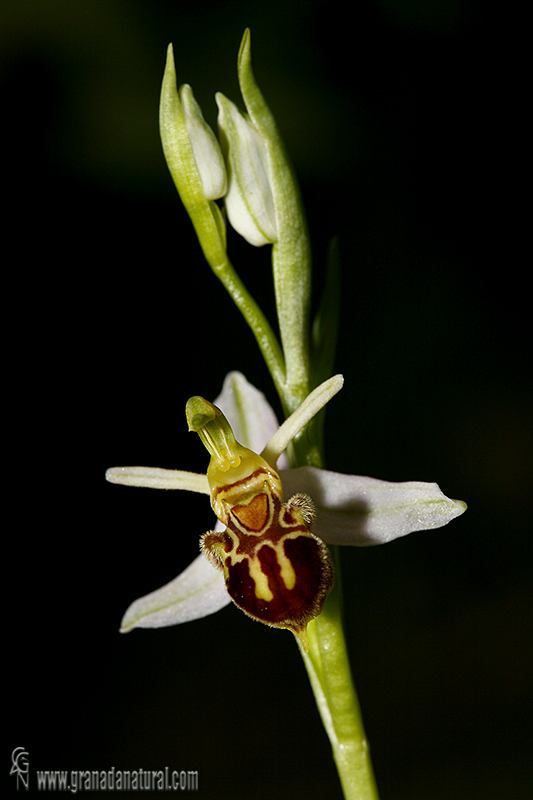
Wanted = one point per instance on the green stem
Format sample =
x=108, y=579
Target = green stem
x=330, y=675
x=331, y=680
x=264, y=335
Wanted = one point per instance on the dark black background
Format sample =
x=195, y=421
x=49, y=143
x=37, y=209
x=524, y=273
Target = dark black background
x=402, y=124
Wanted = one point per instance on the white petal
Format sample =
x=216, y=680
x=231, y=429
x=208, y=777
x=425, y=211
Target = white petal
x=156, y=478
x=354, y=510
x=249, y=413
x=305, y=412
x=197, y=592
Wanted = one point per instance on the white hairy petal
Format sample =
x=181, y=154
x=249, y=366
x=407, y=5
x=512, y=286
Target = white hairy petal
x=157, y=478
x=305, y=412
x=354, y=510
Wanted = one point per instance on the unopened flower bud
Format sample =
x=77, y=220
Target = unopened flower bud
x=249, y=201
x=205, y=147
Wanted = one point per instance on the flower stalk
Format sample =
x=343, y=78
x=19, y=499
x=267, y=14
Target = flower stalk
x=330, y=676
x=331, y=680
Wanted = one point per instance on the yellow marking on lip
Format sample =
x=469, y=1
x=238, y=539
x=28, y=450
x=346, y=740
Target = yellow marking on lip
x=262, y=590
x=287, y=573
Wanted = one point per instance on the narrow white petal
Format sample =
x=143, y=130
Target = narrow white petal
x=248, y=412
x=306, y=411
x=354, y=510
x=197, y=592
x=156, y=478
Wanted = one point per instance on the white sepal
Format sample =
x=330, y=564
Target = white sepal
x=199, y=591
x=355, y=510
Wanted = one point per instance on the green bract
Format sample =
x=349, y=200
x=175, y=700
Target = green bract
x=195, y=162
x=291, y=254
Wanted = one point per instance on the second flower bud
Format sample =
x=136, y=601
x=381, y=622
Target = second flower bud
x=249, y=200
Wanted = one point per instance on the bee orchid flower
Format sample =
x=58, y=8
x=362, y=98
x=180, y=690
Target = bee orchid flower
x=269, y=556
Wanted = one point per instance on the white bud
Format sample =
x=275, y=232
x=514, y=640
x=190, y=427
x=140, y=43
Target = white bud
x=205, y=147
x=249, y=201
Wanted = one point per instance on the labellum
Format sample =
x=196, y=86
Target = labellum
x=275, y=569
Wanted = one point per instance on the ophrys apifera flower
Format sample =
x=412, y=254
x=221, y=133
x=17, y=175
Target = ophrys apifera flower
x=267, y=554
